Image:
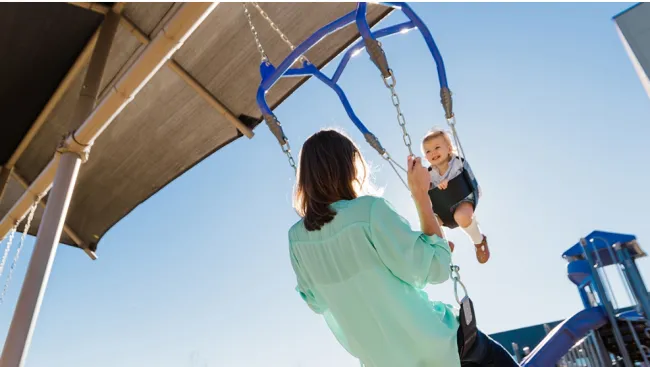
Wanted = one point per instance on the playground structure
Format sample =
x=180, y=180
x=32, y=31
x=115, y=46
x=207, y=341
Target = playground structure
x=596, y=334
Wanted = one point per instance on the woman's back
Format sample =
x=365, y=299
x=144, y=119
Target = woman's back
x=364, y=271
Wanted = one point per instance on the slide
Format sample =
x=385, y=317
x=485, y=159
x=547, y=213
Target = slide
x=558, y=342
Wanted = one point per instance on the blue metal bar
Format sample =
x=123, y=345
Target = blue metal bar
x=306, y=46
x=362, y=22
x=406, y=9
x=309, y=69
x=406, y=26
x=298, y=72
x=388, y=31
x=342, y=97
x=584, y=297
x=274, y=74
x=303, y=71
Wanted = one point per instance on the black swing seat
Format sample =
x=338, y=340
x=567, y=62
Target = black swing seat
x=458, y=188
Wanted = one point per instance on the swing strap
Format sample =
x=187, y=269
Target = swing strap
x=276, y=128
x=447, y=105
x=467, y=318
x=378, y=57
x=468, y=329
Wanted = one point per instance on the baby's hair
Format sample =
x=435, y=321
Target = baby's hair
x=436, y=132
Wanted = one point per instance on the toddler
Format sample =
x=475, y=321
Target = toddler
x=445, y=165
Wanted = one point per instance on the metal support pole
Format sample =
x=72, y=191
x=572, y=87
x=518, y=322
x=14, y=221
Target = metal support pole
x=516, y=352
x=29, y=303
x=72, y=154
x=600, y=289
x=584, y=297
x=73, y=150
x=601, y=351
x=5, y=175
x=635, y=280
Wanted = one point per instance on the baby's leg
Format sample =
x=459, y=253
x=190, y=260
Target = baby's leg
x=451, y=244
x=464, y=216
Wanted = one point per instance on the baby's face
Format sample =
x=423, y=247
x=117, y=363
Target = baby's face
x=436, y=150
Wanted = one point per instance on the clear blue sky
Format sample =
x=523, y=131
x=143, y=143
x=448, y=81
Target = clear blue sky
x=552, y=117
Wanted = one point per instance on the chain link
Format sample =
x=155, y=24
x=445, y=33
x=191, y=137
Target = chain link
x=255, y=34
x=286, y=149
x=277, y=30
x=401, y=120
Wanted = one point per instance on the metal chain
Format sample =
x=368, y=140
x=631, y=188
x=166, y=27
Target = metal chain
x=286, y=148
x=255, y=35
x=28, y=224
x=452, y=125
x=401, y=120
x=277, y=30
x=10, y=241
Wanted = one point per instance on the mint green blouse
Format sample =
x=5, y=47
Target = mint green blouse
x=365, y=272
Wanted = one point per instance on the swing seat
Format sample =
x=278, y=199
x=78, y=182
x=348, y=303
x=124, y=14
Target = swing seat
x=458, y=189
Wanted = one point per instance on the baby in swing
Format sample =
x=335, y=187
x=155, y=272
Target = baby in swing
x=446, y=165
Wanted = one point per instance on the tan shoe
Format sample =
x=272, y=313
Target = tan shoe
x=482, y=251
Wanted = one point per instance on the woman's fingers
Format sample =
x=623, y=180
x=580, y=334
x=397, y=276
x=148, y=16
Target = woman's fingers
x=409, y=163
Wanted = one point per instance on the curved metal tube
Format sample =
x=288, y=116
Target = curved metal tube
x=271, y=74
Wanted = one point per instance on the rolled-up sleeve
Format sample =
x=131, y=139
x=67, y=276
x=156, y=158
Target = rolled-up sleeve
x=412, y=256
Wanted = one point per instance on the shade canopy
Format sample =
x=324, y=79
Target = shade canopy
x=200, y=101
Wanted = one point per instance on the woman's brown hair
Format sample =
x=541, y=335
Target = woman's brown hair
x=330, y=169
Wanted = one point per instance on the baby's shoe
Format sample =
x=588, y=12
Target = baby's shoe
x=482, y=251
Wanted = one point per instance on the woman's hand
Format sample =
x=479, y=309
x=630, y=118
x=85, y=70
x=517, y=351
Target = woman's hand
x=419, y=180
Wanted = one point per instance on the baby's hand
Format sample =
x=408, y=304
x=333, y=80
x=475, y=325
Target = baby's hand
x=443, y=185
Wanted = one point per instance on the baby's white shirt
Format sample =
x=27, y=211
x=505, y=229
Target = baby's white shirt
x=455, y=169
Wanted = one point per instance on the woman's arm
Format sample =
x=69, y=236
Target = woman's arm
x=428, y=222
x=419, y=182
x=413, y=256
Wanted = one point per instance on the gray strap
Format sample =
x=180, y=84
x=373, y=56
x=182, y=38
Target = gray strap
x=378, y=57
x=445, y=98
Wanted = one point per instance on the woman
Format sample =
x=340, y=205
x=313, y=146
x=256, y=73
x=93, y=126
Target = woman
x=360, y=265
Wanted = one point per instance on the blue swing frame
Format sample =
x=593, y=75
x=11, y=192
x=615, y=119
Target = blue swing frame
x=270, y=74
